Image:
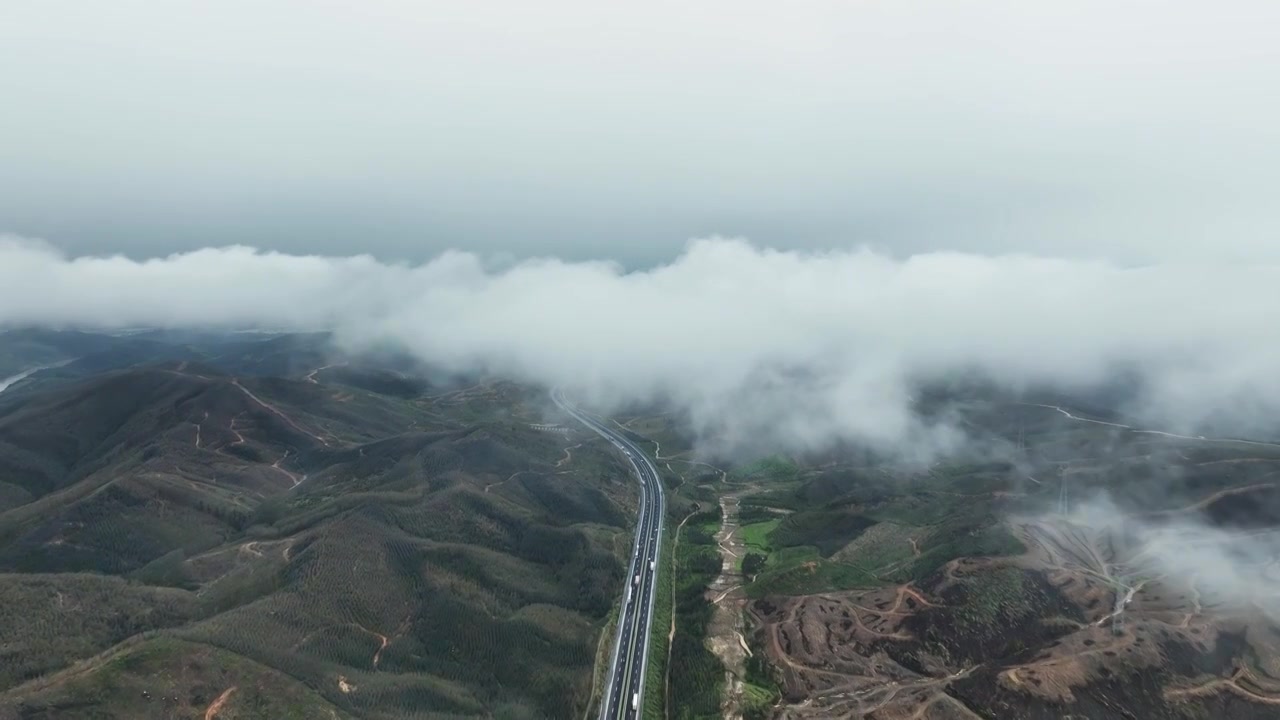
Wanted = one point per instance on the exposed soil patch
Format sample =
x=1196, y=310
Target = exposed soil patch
x=725, y=632
x=1076, y=626
x=216, y=706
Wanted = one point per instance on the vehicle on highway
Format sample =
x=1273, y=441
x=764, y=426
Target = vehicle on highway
x=631, y=644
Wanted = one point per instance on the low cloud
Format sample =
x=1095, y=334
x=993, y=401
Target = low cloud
x=1228, y=568
x=805, y=349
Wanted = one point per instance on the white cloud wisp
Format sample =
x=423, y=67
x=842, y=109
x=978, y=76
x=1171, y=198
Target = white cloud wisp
x=806, y=348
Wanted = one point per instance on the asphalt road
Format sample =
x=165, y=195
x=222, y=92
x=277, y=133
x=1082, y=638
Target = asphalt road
x=624, y=688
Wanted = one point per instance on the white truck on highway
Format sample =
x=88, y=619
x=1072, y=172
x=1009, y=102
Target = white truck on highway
x=635, y=701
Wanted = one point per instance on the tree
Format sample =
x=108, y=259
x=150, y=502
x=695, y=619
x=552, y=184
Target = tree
x=753, y=563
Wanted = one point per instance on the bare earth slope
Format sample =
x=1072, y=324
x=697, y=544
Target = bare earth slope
x=1083, y=616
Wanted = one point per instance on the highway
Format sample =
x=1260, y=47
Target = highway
x=624, y=685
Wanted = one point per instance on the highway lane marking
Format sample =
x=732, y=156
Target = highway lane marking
x=643, y=587
x=646, y=548
x=627, y=630
x=648, y=475
x=631, y=646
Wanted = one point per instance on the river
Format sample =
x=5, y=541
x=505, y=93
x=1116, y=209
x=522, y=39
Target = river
x=12, y=380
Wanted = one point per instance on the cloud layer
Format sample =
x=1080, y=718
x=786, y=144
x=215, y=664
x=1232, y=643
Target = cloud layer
x=804, y=348
x=1232, y=565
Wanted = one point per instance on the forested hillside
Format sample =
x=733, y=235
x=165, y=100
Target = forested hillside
x=266, y=528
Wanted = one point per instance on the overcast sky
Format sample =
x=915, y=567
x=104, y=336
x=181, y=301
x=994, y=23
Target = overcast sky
x=1142, y=131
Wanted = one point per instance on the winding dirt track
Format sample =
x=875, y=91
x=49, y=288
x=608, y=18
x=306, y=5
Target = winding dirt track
x=1162, y=433
x=278, y=413
x=311, y=376
x=216, y=706
x=725, y=632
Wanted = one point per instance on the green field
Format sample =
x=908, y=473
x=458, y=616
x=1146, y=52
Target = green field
x=756, y=535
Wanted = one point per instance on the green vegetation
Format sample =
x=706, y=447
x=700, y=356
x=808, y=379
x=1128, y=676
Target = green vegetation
x=800, y=571
x=858, y=523
x=343, y=547
x=749, y=514
x=1001, y=592
x=756, y=535
x=356, y=541
x=773, y=469
x=997, y=613
x=848, y=529
x=757, y=701
x=21, y=350
x=883, y=549
x=52, y=620
x=784, y=559
x=655, y=683
x=991, y=538
x=827, y=530
x=697, y=676
x=165, y=678
x=818, y=551
x=470, y=590
x=760, y=692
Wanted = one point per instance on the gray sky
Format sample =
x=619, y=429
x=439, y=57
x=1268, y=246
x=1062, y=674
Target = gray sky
x=1138, y=130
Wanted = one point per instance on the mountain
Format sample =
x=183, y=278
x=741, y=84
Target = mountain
x=200, y=536
x=240, y=526
x=1068, y=567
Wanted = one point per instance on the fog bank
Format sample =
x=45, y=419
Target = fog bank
x=806, y=348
